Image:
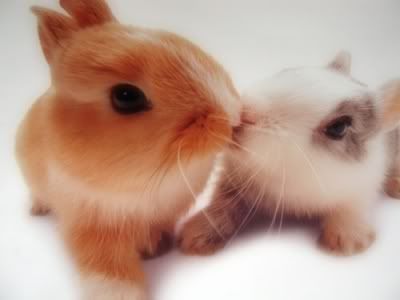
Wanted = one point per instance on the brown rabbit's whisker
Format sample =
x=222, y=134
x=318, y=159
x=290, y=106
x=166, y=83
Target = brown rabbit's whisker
x=252, y=211
x=157, y=177
x=244, y=188
x=237, y=171
x=254, y=208
x=238, y=195
x=245, y=149
x=231, y=142
x=248, y=181
x=186, y=181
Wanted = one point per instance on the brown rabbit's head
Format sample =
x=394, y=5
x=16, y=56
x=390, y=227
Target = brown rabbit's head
x=128, y=102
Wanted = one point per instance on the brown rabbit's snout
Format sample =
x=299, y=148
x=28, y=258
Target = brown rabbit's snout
x=205, y=132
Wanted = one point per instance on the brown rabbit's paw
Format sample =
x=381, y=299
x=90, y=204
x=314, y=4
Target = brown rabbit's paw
x=347, y=241
x=159, y=244
x=392, y=187
x=199, y=238
x=39, y=209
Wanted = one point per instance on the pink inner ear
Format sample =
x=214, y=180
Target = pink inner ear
x=88, y=12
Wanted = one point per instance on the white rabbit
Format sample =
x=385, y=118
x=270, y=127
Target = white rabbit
x=314, y=142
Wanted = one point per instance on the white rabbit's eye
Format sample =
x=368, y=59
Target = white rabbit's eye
x=128, y=99
x=337, y=129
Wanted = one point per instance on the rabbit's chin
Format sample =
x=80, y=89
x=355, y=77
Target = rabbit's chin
x=305, y=181
x=169, y=194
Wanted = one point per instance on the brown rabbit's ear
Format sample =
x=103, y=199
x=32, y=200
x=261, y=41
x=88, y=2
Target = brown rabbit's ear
x=390, y=95
x=341, y=62
x=88, y=12
x=54, y=28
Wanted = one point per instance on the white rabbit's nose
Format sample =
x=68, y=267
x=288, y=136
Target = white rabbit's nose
x=248, y=117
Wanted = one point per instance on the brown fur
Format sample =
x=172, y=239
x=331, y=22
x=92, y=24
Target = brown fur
x=54, y=28
x=210, y=229
x=107, y=250
x=88, y=12
x=113, y=180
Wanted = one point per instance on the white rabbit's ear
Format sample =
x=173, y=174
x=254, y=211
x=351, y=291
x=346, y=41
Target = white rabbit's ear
x=54, y=28
x=88, y=12
x=390, y=95
x=341, y=62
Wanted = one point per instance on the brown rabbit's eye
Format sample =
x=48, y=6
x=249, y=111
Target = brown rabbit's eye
x=337, y=129
x=128, y=99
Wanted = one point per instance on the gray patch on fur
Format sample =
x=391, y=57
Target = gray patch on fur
x=365, y=123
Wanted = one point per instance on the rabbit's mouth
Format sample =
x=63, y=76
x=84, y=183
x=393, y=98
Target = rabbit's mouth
x=238, y=131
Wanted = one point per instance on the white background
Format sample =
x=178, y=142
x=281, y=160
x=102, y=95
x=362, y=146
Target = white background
x=253, y=39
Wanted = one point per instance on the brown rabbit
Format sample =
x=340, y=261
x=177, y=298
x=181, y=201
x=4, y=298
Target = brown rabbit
x=122, y=140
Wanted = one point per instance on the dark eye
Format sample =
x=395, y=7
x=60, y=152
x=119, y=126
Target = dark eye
x=128, y=99
x=337, y=129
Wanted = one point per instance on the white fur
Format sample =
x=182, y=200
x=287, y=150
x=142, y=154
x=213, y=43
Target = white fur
x=294, y=172
x=96, y=287
x=308, y=181
x=300, y=98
